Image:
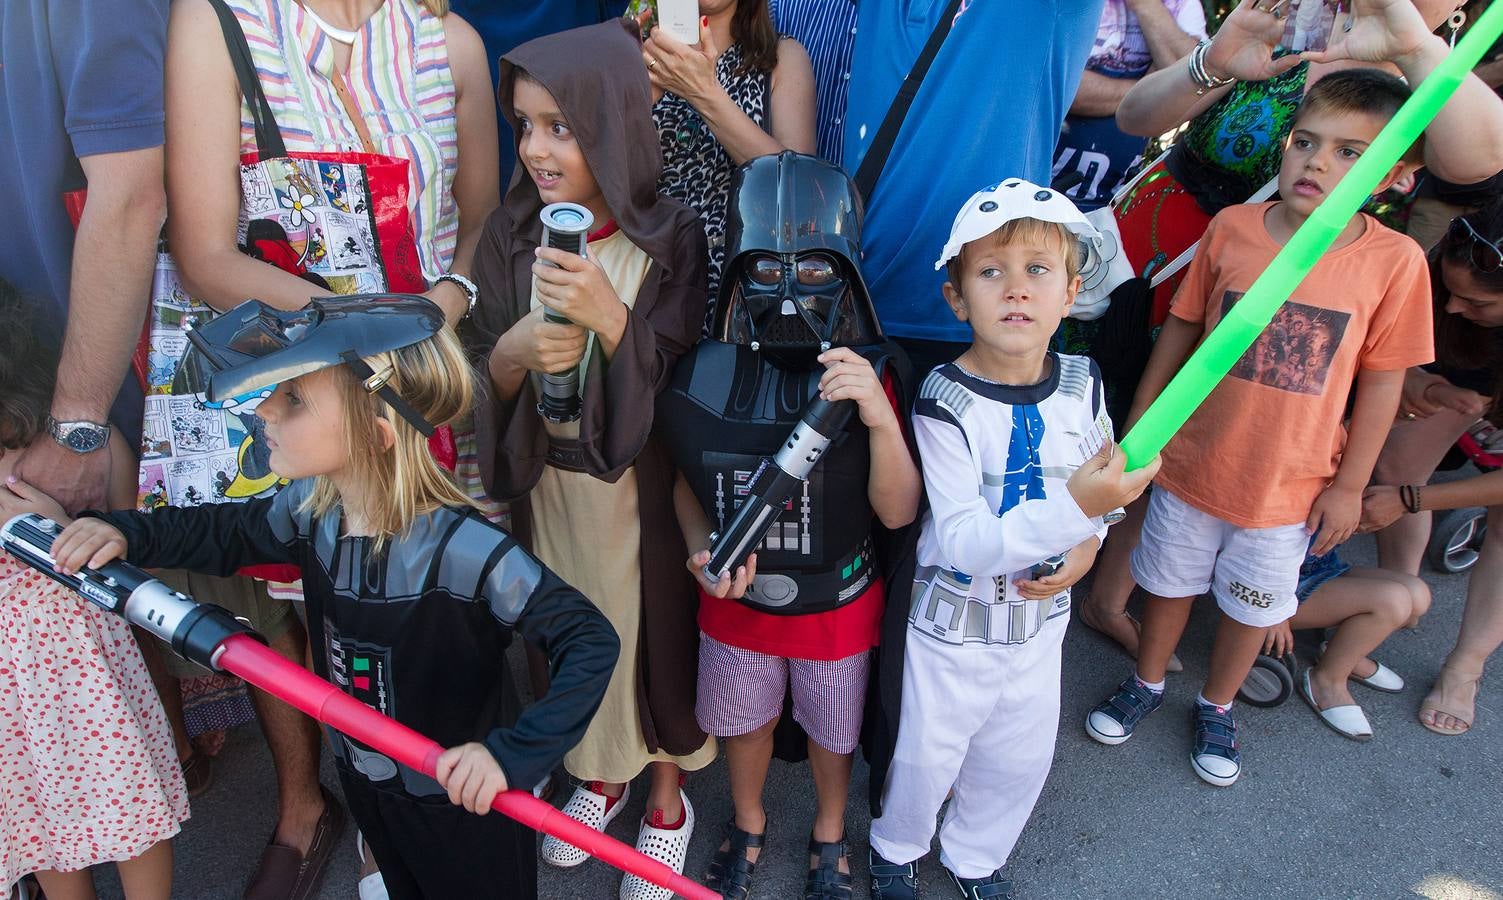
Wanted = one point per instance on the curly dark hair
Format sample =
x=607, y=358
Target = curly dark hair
x=28, y=367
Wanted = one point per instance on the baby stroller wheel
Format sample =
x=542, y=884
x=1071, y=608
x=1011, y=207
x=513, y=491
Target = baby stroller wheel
x=1270, y=681
x=1456, y=539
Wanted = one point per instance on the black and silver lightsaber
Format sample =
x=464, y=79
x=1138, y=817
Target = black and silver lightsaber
x=566, y=226
x=209, y=635
x=776, y=480
x=196, y=631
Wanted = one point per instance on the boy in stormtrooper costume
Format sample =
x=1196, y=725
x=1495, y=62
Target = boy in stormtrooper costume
x=1022, y=480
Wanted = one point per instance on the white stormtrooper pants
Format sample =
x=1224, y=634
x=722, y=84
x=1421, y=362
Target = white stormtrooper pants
x=980, y=718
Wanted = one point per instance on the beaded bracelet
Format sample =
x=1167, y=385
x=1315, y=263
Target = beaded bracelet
x=1204, y=80
x=1409, y=495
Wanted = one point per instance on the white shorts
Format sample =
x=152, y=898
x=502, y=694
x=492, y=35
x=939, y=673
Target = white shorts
x=1252, y=572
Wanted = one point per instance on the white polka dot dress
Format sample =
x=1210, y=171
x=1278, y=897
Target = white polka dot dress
x=88, y=773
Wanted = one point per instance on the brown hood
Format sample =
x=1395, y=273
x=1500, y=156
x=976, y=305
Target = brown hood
x=597, y=77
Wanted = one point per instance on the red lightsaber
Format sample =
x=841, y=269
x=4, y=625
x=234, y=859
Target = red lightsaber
x=210, y=636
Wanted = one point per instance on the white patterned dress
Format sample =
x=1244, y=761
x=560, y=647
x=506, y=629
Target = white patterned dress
x=88, y=771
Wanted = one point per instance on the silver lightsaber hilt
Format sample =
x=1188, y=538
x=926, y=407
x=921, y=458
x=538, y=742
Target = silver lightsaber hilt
x=196, y=631
x=566, y=226
x=774, y=482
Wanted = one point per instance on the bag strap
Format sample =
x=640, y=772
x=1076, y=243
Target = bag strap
x=1126, y=187
x=342, y=89
x=876, y=155
x=1179, y=262
x=268, y=135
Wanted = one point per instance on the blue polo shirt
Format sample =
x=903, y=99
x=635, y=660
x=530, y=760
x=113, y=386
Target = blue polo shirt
x=990, y=108
x=77, y=78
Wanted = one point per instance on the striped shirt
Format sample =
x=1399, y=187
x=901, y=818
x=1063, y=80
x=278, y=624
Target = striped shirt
x=398, y=79
x=827, y=29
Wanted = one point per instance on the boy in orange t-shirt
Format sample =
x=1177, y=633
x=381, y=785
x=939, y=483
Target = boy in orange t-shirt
x=1265, y=463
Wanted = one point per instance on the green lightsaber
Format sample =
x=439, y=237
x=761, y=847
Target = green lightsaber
x=1246, y=320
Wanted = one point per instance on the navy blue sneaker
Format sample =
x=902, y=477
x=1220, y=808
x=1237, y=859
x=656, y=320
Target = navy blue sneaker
x=1215, y=757
x=891, y=881
x=1113, y=720
x=995, y=886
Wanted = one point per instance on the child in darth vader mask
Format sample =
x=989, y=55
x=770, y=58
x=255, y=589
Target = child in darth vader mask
x=793, y=323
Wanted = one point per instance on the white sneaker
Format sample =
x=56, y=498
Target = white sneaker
x=668, y=846
x=589, y=808
x=372, y=886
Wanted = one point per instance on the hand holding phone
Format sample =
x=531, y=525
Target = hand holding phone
x=679, y=18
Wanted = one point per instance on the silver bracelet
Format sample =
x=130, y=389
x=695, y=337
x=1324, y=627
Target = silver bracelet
x=1204, y=81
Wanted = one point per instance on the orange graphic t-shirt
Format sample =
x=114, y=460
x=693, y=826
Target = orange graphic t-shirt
x=1268, y=439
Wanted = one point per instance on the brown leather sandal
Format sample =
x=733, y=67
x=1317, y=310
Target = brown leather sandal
x=198, y=772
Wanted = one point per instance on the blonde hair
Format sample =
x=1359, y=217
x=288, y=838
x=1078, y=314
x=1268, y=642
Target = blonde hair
x=403, y=481
x=439, y=8
x=1015, y=231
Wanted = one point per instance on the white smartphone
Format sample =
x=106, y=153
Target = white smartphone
x=680, y=18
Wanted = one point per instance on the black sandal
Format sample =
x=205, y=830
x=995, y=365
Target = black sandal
x=826, y=881
x=730, y=872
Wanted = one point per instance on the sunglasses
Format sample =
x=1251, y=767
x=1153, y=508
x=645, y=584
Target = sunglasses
x=1485, y=255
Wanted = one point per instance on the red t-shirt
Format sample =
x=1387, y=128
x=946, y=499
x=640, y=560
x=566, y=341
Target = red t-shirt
x=832, y=635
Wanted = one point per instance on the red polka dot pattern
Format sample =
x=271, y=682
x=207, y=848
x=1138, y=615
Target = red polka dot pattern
x=88, y=773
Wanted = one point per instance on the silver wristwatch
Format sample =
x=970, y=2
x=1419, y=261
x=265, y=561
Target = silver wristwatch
x=471, y=292
x=80, y=437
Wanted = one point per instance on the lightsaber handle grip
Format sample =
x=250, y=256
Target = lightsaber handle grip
x=560, y=401
x=194, y=630
x=775, y=481
x=753, y=519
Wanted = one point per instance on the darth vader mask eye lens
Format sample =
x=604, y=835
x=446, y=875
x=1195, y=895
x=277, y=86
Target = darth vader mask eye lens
x=765, y=270
x=817, y=271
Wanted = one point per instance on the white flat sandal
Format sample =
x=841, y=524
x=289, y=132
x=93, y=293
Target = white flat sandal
x=1384, y=679
x=1349, y=721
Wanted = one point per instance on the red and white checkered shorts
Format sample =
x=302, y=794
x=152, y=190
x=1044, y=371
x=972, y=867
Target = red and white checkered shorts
x=742, y=690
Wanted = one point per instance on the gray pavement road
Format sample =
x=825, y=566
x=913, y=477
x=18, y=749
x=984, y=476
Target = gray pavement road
x=1314, y=815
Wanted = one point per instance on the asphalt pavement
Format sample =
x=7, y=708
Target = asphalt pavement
x=1408, y=813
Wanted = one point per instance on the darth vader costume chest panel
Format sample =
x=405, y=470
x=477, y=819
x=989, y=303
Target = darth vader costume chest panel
x=726, y=410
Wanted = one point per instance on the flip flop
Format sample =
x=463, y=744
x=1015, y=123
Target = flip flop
x=1349, y=721
x=1437, y=701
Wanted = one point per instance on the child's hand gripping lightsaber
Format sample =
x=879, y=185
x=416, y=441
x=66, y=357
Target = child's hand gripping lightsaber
x=210, y=636
x=566, y=226
x=1246, y=320
x=775, y=480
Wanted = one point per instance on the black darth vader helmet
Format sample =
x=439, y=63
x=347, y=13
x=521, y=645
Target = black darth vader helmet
x=792, y=241
x=255, y=345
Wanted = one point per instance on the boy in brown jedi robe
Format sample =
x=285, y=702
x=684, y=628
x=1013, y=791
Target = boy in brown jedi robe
x=593, y=498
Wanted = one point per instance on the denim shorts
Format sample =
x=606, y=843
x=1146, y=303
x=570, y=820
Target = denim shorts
x=1316, y=571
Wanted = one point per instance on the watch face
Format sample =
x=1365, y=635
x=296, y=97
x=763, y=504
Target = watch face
x=85, y=440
